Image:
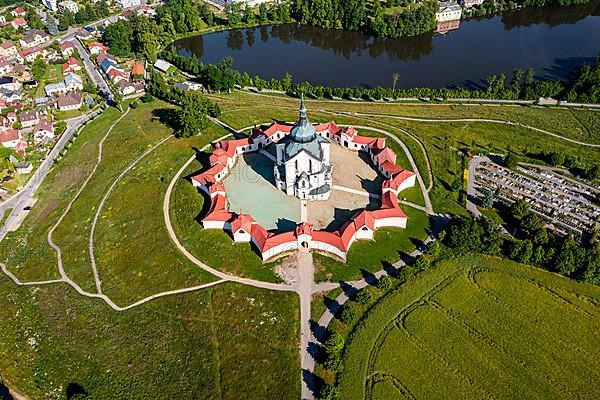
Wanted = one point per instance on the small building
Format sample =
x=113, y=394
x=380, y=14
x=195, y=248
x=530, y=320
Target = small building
x=105, y=56
x=71, y=65
x=34, y=37
x=43, y=131
x=10, y=83
x=70, y=101
x=28, y=118
x=8, y=49
x=50, y=5
x=126, y=87
x=67, y=48
x=187, y=85
x=73, y=82
x=83, y=34
x=449, y=11
x=19, y=12
x=165, y=67
x=128, y=3
x=68, y=5
x=97, y=47
x=31, y=53
x=10, y=138
x=6, y=66
x=137, y=72
x=24, y=168
x=19, y=23
x=471, y=3
x=53, y=89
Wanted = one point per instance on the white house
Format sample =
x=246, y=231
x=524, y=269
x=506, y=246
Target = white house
x=68, y=5
x=28, y=118
x=70, y=101
x=33, y=37
x=52, y=89
x=8, y=49
x=67, y=48
x=73, y=81
x=50, y=5
x=43, y=131
x=449, y=11
x=10, y=138
x=128, y=3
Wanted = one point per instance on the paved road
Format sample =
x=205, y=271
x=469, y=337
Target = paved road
x=24, y=197
x=471, y=191
x=93, y=71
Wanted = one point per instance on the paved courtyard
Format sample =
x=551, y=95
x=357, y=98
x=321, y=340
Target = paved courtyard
x=251, y=189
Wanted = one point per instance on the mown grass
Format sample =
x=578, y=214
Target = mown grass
x=368, y=256
x=476, y=327
x=214, y=247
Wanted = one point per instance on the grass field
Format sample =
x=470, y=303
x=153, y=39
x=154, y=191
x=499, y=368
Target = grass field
x=478, y=327
x=206, y=344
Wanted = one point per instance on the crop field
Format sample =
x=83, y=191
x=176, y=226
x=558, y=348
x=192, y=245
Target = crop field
x=478, y=327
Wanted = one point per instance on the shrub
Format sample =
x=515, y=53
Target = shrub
x=385, y=283
x=329, y=392
x=364, y=297
x=147, y=98
x=349, y=314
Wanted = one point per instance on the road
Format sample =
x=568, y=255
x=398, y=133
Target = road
x=471, y=191
x=25, y=196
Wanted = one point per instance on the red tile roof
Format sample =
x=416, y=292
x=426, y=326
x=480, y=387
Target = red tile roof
x=9, y=135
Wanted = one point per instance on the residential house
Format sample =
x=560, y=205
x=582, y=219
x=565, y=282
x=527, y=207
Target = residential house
x=28, y=118
x=34, y=37
x=83, y=34
x=50, y=5
x=137, y=72
x=10, y=138
x=3, y=20
x=68, y=5
x=97, y=47
x=126, y=87
x=164, y=67
x=67, y=48
x=12, y=117
x=103, y=56
x=43, y=131
x=128, y=3
x=8, y=49
x=19, y=12
x=31, y=53
x=73, y=82
x=10, y=83
x=187, y=85
x=471, y=3
x=19, y=23
x=24, y=168
x=6, y=66
x=116, y=74
x=4, y=123
x=70, y=101
x=53, y=89
x=449, y=11
x=71, y=65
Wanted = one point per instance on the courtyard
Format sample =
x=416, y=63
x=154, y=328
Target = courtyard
x=251, y=190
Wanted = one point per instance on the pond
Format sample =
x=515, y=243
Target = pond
x=552, y=40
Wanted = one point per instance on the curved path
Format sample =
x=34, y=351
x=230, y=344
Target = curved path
x=494, y=121
x=101, y=206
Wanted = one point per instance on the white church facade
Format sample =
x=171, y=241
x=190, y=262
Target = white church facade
x=303, y=167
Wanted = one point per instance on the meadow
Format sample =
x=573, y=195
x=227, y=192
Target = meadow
x=204, y=344
x=477, y=327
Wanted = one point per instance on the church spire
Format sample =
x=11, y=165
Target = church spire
x=303, y=118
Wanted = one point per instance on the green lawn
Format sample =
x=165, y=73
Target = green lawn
x=205, y=344
x=469, y=324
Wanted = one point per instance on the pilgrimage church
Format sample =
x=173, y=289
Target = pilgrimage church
x=303, y=168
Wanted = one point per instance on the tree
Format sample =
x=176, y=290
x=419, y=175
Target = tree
x=249, y=16
x=193, y=114
x=511, y=160
x=118, y=37
x=556, y=158
x=102, y=8
x=565, y=261
x=51, y=25
x=395, y=78
x=38, y=68
x=519, y=209
x=263, y=15
x=529, y=76
x=488, y=199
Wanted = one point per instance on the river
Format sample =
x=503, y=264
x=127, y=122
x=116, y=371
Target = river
x=552, y=40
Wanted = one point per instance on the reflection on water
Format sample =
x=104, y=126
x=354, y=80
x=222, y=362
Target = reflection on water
x=541, y=38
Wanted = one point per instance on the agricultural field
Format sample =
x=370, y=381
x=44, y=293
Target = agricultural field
x=467, y=324
x=204, y=344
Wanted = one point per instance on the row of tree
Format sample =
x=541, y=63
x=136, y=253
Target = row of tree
x=539, y=247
